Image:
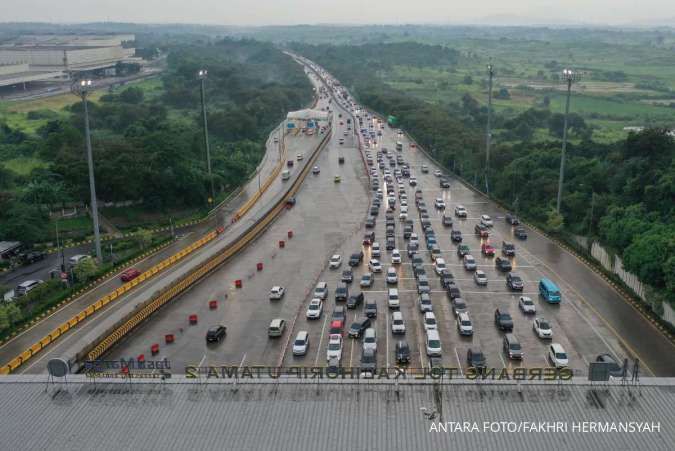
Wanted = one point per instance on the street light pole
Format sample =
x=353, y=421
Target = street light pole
x=569, y=76
x=488, y=134
x=81, y=89
x=201, y=75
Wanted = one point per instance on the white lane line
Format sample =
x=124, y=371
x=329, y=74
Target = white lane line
x=201, y=362
x=242, y=361
x=502, y=359
x=386, y=339
x=318, y=349
x=459, y=363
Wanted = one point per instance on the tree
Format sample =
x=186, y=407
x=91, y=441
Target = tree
x=132, y=95
x=85, y=269
x=503, y=94
x=468, y=80
x=648, y=255
x=554, y=221
x=143, y=238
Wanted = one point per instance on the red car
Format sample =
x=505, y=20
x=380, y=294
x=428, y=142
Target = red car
x=487, y=250
x=368, y=238
x=130, y=274
x=481, y=231
x=336, y=327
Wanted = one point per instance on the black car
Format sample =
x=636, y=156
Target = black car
x=290, y=201
x=514, y=282
x=520, y=233
x=508, y=249
x=512, y=219
x=444, y=183
x=358, y=327
x=356, y=259
x=32, y=257
x=390, y=244
x=419, y=271
x=339, y=314
x=355, y=300
x=402, y=352
x=503, y=320
x=407, y=231
x=369, y=361
x=347, y=276
x=370, y=223
x=371, y=309
x=453, y=291
x=456, y=236
x=475, y=358
x=341, y=292
x=503, y=264
x=215, y=333
x=446, y=278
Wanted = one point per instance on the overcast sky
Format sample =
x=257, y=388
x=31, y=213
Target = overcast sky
x=280, y=12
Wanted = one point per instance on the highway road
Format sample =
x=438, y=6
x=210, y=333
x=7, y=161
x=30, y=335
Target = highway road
x=329, y=218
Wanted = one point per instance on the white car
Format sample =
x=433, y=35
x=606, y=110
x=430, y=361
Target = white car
x=370, y=339
x=542, y=328
x=334, y=347
x=425, y=169
x=469, y=262
x=299, y=156
x=439, y=265
x=403, y=216
x=414, y=239
x=526, y=305
x=464, y=325
x=393, y=300
x=486, y=220
x=480, y=278
x=335, y=261
x=438, y=173
x=375, y=250
x=277, y=293
x=412, y=181
x=316, y=170
x=374, y=265
x=366, y=280
x=433, y=343
x=460, y=211
x=439, y=203
x=397, y=323
x=314, y=309
x=430, y=321
x=392, y=277
x=557, y=355
x=301, y=343
x=395, y=257
x=76, y=259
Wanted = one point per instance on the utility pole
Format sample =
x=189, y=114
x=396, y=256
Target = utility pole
x=590, y=221
x=60, y=249
x=81, y=89
x=201, y=75
x=488, y=133
x=569, y=76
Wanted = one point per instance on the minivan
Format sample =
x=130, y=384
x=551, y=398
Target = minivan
x=341, y=292
x=512, y=347
x=321, y=291
x=301, y=343
x=433, y=343
x=549, y=291
x=276, y=328
x=464, y=325
x=392, y=299
x=285, y=174
x=24, y=287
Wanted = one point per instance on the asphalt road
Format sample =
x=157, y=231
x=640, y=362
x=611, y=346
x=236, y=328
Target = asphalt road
x=329, y=219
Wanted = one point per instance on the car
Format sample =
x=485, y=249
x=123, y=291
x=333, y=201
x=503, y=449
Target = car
x=355, y=300
x=339, y=313
x=359, y=326
x=366, y=280
x=337, y=179
x=464, y=325
x=444, y=183
x=334, y=350
x=374, y=265
x=486, y=220
x=369, y=361
x=368, y=238
x=430, y=321
x=433, y=343
x=276, y=328
x=512, y=347
x=423, y=284
x=414, y=238
x=512, y=219
x=370, y=309
x=316, y=170
x=390, y=245
x=375, y=250
x=314, y=309
x=503, y=264
x=481, y=230
x=290, y=201
x=215, y=333
x=542, y=328
x=289, y=163
x=403, y=215
x=129, y=274
x=321, y=290
x=438, y=173
x=336, y=326
x=369, y=340
x=557, y=355
x=520, y=233
x=76, y=259
x=456, y=236
x=301, y=343
x=503, y=320
x=615, y=369
x=395, y=257
x=526, y=305
x=439, y=266
x=469, y=262
x=446, y=220
x=508, y=249
x=341, y=292
x=393, y=300
x=356, y=258
x=347, y=276
x=277, y=293
x=32, y=257
x=370, y=223
x=475, y=358
x=402, y=351
x=335, y=261
x=341, y=141
x=397, y=323
x=425, y=168
x=514, y=282
x=459, y=306
x=412, y=181
x=452, y=290
x=439, y=204
x=487, y=250
x=460, y=211
x=425, y=303
x=392, y=276
x=462, y=250
x=480, y=278
x=446, y=278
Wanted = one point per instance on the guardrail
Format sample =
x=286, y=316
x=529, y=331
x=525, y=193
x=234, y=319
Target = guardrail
x=127, y=324
x=53, y=335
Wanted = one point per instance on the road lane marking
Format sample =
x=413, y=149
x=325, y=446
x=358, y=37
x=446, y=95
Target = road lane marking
x=459, y=362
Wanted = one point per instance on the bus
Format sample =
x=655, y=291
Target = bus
x=399, y=146
x=549, y=291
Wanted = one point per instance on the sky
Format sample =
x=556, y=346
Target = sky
x=291, y=12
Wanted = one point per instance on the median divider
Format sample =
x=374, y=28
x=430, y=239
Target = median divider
x=131, y=321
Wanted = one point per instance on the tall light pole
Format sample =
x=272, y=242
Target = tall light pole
x=81, y=89
x=569, y=76
x=201, y=75
x=488, y=133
